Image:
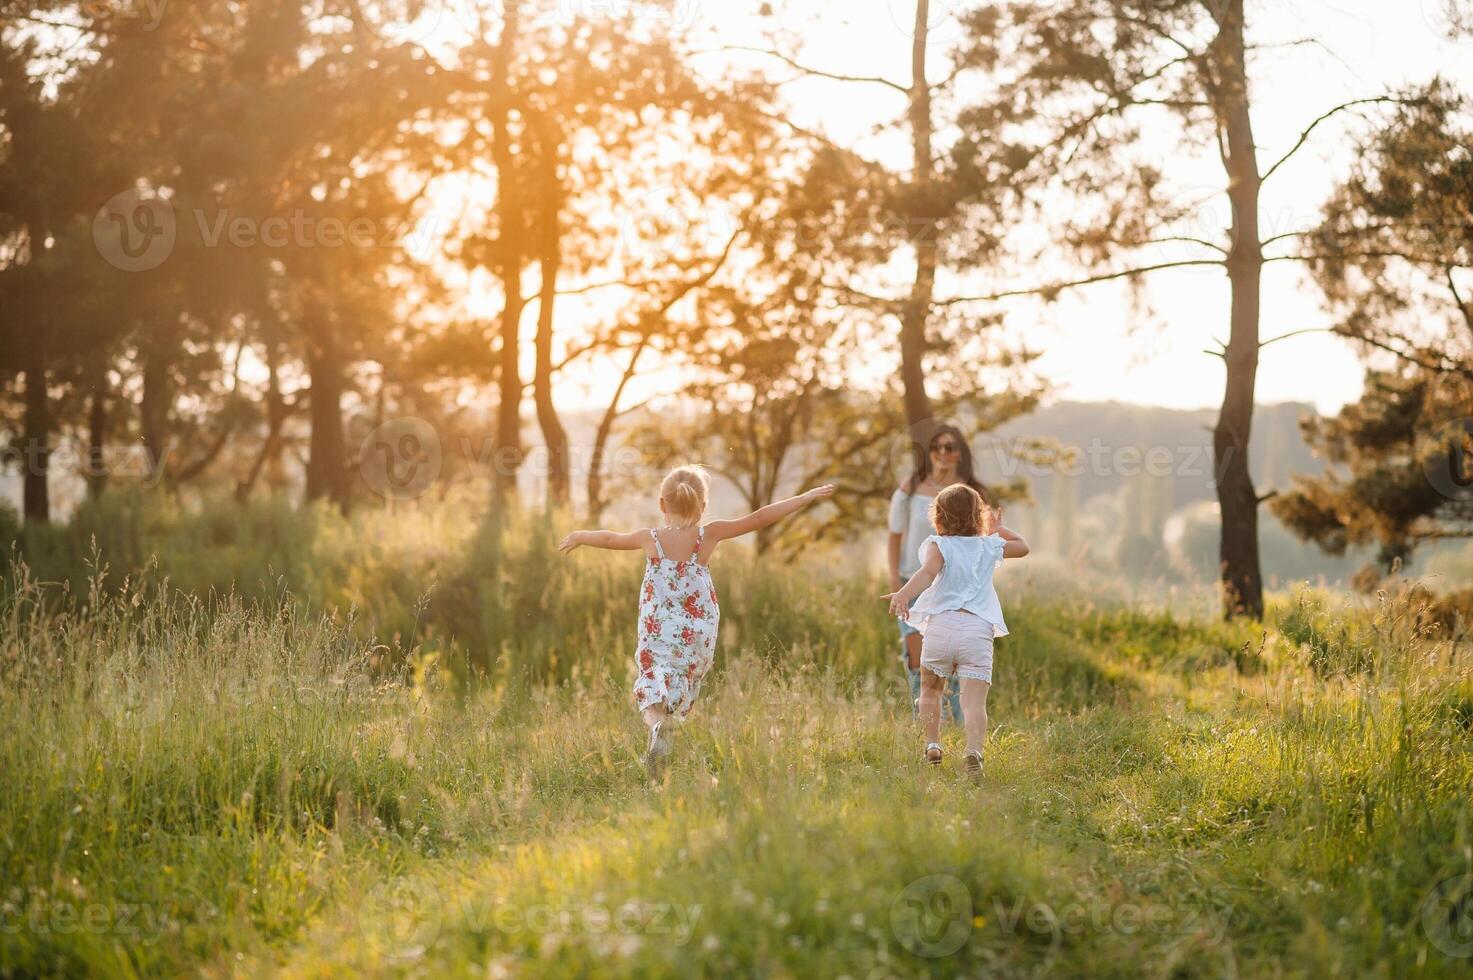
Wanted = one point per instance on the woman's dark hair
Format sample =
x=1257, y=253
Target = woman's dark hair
x=964, y=472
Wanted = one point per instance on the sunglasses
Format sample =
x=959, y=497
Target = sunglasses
x=949, y=448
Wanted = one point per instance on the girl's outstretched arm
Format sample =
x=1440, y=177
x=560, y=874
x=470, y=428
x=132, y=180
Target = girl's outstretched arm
x=919, y=582
x=762, y=517
x=608, y=540
x=1013, y=545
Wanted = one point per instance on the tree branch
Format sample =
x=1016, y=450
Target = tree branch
x=1294, y=333
x=1463, y=307
x=1074, y=284
x=817, y=73
x=1304, y=137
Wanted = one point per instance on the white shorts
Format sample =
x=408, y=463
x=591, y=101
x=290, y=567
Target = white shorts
x=958, y=643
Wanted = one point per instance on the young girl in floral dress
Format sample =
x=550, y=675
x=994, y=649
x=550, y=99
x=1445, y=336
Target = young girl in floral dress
x=678, y=612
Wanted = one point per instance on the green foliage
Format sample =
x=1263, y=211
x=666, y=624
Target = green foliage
x=227, y=785
x=1329, y=643
x=1399, y=456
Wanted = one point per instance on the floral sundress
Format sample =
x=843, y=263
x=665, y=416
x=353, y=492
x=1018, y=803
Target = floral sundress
x=678, y=616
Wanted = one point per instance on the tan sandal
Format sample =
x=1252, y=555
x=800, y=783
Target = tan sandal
x=933, y=753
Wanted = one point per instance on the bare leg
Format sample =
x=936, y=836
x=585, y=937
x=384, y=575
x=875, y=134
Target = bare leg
x=654, y=714
x=931, y=687
x=974, y=710
x=660, y=723
x=913, y=650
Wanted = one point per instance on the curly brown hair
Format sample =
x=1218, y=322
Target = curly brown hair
x=958, y=511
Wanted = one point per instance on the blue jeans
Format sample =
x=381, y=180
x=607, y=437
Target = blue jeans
x=951, y=700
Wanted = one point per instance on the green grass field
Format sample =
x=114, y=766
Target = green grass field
x=450, y=784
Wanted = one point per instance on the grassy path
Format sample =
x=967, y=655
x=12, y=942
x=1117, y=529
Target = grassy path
x=1134, y=821
x=1158, y=802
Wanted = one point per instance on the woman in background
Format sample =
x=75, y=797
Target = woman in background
x=947, y=460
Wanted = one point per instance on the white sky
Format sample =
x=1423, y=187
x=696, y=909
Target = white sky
x=1094, y=345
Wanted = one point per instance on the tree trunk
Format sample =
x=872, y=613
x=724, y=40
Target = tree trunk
x=97, y=436
x=553, y=434
x=154, y=409
x=507, y=457
x=596, y=501
x=327, y=468
x=1242, y=578
x=36, y=457
x=275, y=419
x=921, y=228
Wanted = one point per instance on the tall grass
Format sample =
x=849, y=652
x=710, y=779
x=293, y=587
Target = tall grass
x=238, y=784
x=487, y=600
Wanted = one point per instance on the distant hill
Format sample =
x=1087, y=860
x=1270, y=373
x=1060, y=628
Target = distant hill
x=1140, y=499
x=1119, y=441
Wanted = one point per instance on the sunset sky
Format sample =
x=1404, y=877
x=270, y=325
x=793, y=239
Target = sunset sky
x=1093, y=347
x=1317, y=54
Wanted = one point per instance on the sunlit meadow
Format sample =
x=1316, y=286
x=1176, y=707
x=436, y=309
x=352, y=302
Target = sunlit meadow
x=322, y=323
x=259, y=781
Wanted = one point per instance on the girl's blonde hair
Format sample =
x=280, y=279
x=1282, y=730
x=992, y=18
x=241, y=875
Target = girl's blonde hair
x=959, y=510
x=684, y=492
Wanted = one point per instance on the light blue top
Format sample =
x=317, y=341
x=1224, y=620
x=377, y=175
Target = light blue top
x=965, y=582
